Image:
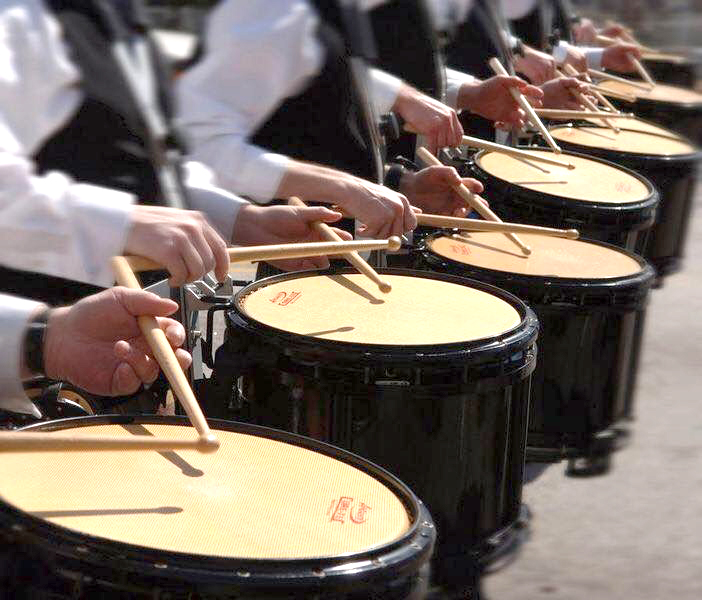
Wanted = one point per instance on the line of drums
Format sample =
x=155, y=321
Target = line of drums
x=386, y=435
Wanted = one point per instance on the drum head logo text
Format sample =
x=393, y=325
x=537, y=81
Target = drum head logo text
x=346, y=509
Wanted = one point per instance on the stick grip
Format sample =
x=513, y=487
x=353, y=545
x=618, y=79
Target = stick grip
x=163, y=352
x=353, y=257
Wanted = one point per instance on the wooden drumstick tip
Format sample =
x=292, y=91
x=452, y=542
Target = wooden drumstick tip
x=572, y=234
x=208, y=444
x=526, y=249
x=385, y=287
x=394, y=243
x=571, y=166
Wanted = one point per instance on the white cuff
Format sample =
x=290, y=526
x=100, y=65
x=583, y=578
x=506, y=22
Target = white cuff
x=560, y=52
x=14, y=315
x=594, y=57
x=220, y=206
x=454, y=81
x=384, y=89
x=101, y=217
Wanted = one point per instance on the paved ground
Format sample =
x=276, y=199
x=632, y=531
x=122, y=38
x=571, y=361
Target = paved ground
x=637, y=532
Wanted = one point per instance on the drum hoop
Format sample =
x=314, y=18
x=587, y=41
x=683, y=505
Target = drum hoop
x=643, y=278
x=648, y=203
x=420, y=352
x=419, y=537
x=644, y=159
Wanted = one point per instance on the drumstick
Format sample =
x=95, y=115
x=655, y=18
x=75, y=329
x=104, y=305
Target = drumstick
x=478, y=143
x=502, y=227
x=605, y=40
x=21, y=441
x=497, y=67
x=587, y=102
x=353, y=257
x=165, y=356
x=473, y=200
x=282, y=251
x=557, y=113
x=663, y=56
x=643, y=71
x=572, y=71
x=603, y=75
x=613, y=93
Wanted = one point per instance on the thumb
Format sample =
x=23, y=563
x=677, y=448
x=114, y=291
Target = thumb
x=139, y=302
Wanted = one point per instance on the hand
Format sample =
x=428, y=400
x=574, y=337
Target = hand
x=180, y=240
x=382, y=211
x=576, y=58
x=282, y=225
x=492, y=99
x=619, y=57
x=97, y=345
x=433, y=190
x=585, y=33
x=616, y=30
x=537, y=66
x=557, y=93
x=432, y=119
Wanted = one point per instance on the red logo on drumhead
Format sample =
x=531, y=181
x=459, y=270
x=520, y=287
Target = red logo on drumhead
x=343, y=508
x=285, y=298
x=460, y=249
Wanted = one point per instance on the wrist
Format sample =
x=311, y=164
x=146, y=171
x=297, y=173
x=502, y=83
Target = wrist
x=407, y=183
x=33, y=362
x=468, y=95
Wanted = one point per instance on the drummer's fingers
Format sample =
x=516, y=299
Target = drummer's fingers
x=473, y=185
x=143, y=366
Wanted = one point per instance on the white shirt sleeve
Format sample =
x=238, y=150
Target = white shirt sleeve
x=48, y=223
x=14, y=316
x=220, y=206
x=454, y=81
x=592, y=55
x=384, y=89
x=258, y=54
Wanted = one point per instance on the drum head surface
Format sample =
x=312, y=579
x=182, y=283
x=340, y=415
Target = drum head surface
x=555, y=257
x=636, y=125
x=670, y=94
x=253, y=498
x=350, y=308
x=590, y=181
x=635, y=142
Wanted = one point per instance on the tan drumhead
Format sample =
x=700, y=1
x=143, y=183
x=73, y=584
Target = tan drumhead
x=638, y=125
x=670, y=94
x=350, y=308
x=253, y=498
x=554, y=257
x=637, y=142
x=590, y=181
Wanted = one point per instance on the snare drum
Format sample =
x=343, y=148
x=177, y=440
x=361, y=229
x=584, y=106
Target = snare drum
x=587, y=296
x=431, y=381
x=671, y=165
x=269, y=515
x=671, y=69
x=603, y=201
x=676, y=108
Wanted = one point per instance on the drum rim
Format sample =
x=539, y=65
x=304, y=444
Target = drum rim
x=419, y=537
x=525, y=328
x=647, y=271
x=653, y=158
x=649, y=202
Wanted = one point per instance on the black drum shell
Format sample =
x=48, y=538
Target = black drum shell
x=682, y=118
x=683, y=74
x=449, y=419
x=623, y=225
x=675, y=178
x=587, y=328
x=109, y=569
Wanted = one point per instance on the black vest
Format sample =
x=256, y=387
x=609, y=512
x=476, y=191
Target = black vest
x=548, y=17
x=324, y=124
x=104, y=142
x=407, y=47
x=472, y=45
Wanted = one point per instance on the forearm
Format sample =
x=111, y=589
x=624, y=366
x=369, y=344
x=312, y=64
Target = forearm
x=53, y=225
x=314, y=182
